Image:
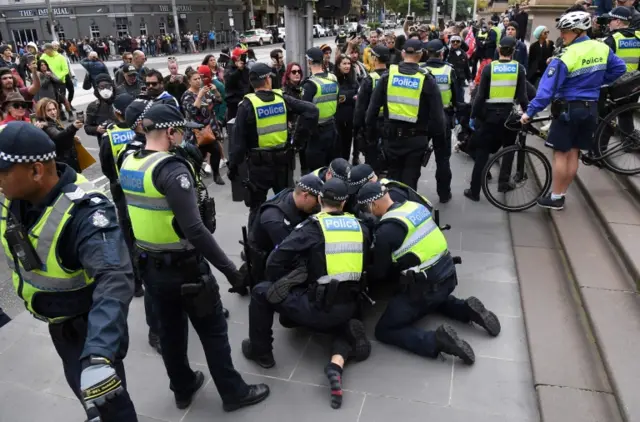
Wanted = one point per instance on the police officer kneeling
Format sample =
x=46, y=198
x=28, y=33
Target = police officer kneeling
x=317, y=271
x=411, y=250
x=168, y=228
x=277, y=218
x=338, y=168
x=260, y=134
x=502, y=83
x=70, y=266
x=413, y=113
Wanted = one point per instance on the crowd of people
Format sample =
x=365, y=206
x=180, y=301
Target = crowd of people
x=309, y=251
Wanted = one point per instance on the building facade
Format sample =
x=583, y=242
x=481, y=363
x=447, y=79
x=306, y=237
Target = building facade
x=22, y=21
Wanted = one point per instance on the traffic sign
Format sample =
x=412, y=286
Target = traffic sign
x=231, y=22
x=230, y=12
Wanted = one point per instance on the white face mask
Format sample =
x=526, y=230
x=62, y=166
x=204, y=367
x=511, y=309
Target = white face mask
x=105, y=93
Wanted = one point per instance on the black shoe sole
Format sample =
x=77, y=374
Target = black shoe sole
x=451, y=344
x=551, y=207
x=255, y=400
x=183, y=404
x=361, y=345
x=483, y=317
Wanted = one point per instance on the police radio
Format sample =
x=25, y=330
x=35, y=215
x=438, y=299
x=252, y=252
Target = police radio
x=19, y=244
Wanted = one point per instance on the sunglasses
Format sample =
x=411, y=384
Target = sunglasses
x=296, y=72
x=152, y=84
x=19, y=105
x=455, y=42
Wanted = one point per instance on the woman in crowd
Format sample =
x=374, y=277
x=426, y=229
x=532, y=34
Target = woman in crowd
x=346, y=103
x=539, y=52
x=291, y=85
x=217, y=71
x=15, y=108
x=47, y=113
x=220, y=107
x=197, y=102
x=174, y=82
x=48, y=83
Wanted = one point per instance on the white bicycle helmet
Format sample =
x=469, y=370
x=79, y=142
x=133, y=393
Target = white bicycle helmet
x=574, y=20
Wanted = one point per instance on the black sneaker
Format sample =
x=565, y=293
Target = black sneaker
x=184, y=401
x=265, y=360
x=218, y=180
x=482, y=316
x=552, y=204
x=447, y=341
x=154, y=342
x=470, y=195
x=506, y=187
x=360, y=345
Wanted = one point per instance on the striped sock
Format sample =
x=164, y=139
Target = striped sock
x=334, y=373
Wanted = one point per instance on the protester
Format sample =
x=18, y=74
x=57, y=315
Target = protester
x=348, y=88
x=47, y=112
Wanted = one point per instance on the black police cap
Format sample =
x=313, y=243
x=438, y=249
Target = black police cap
x=435, y=46
x=507, y=42
x=620, y=12
x=310, y=183
x=20, y=142
x=259, y=72
x=135, y=112
x=412, y=46
x=381, y=53
x=340, y=168
x=335, y=190
x=359, y=176
x=164, y=116
x=370, y=192
x=315, y=55
x=121, y=103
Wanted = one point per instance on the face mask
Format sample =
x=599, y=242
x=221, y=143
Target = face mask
x=105, y=93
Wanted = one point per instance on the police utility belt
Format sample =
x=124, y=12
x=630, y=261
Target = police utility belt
x=405, y=132
x=559, y=106
x=324, y=296
x=271, y=156
x=416, y=279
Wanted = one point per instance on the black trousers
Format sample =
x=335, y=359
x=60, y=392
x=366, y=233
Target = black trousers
x=68, y=83
x=68, y=338
x=345, y=139
x=322, y=147
x=442, y=153
x=405, y=166
x=490, y=137
x=214, y=151
x=264, y=178
x=174, y=311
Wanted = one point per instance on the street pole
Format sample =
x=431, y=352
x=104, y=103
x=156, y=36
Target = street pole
x=252, y=20
x=475, y=9
x=409, y=8
x=52, y=27
x=453, y=11
x=434, y=12
x=175, y=21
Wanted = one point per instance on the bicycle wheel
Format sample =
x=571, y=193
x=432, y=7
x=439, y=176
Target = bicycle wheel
x=618, y=149
x=531, y=174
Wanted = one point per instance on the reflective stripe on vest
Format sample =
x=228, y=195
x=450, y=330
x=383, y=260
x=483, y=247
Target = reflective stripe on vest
x=375, y=78
x=403, y=95
x=628, y=49
x=443, y=79
x=326, y=98
x=585, y=57
x=504, y=80
x=118, y=139
x=424, y=239
x=343, y=247
x=271, y=120
x=44, y=236
x=151, y=217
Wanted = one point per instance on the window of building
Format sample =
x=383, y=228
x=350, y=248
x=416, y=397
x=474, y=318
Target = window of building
x=122, y=28
x=143, y=29
x=163, y=28
x=24, y=36
x=94, y=31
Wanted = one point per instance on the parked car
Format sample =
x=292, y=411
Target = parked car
x=272, y=28
x=318, y=31
x=328, y=31
x=258, y=36
x=389, y=25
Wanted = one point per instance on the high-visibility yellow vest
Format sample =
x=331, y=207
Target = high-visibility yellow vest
x=375, y=78
x=443, y=79
x=403, y=94
x=343, y=247
x=151, y=217
x=389, y=183
x=317, y=172
x=118, y=139
x=483, y=35
x=271, y=120
x=504, y=80
x=498, y=34
x=628, y=49
x=585, y=57
x=44, y=236
x=424, y=238
x=326, y=98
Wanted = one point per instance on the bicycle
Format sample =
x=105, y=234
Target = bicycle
x=604, y=154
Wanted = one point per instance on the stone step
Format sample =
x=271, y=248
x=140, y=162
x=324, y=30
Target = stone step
x=592, y=231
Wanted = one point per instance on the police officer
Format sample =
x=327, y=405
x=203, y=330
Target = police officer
x=358, y=177
x=260, y=133
x=277, y=218
x=162, y=201
x=447, y=82
x=321, y=88
x=411, y=249
x=338, y=167
x=70, y=266
x=380, y=58
x=502, y=85
x=573, y=81
x=413, y=113
x=321, y=293
x=493, y=37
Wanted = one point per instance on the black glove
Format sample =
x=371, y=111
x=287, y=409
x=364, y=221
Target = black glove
x=232, y=173
x=279, y=290
x=238, y=283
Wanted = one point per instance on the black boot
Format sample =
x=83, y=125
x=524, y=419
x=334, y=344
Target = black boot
x=361, y=347
x=218, y=179
x=256, y=394
x=265, y=360
x=447, y=341
x=482, y=316
x=184, y=400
